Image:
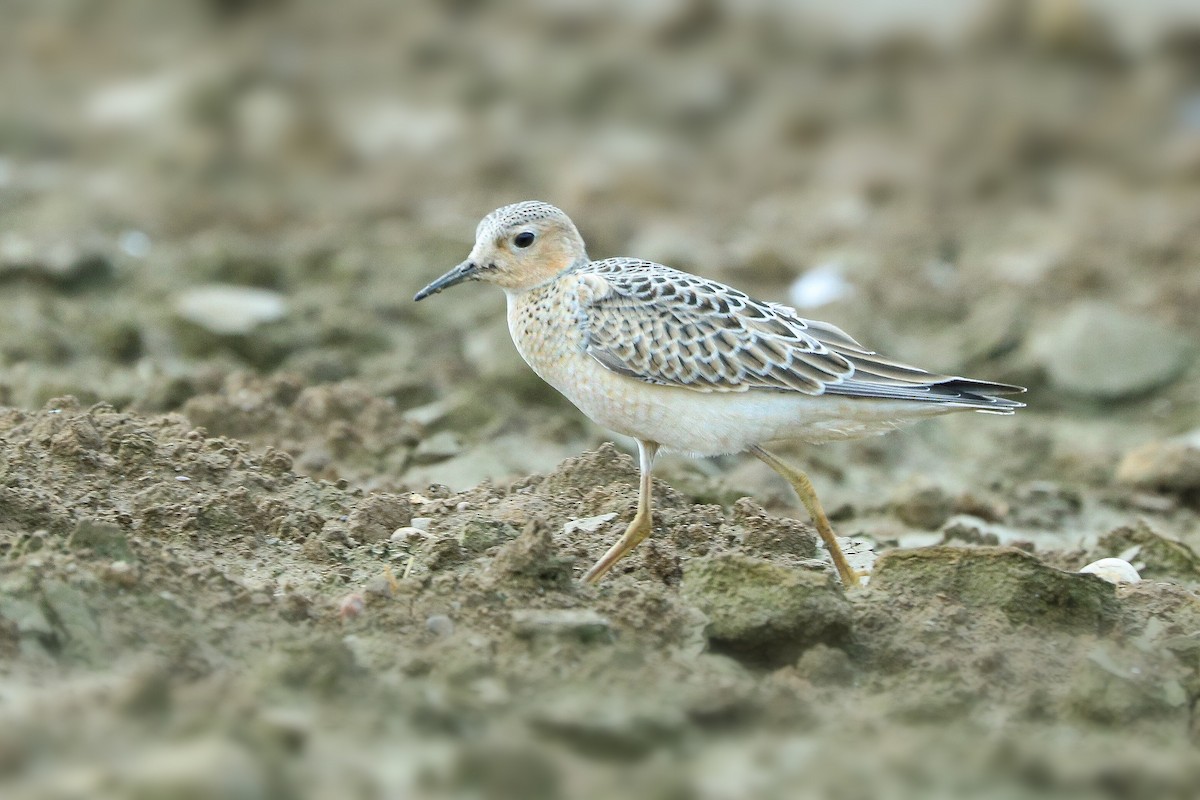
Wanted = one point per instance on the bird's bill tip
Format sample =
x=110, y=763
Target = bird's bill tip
x=464, y=271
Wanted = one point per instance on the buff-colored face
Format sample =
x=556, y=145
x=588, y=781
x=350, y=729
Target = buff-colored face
x=517, y=247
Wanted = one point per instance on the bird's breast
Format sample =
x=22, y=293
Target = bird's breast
x=546, y=333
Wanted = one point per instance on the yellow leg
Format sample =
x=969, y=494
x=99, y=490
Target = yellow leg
x=642, y=523
x=808, y=496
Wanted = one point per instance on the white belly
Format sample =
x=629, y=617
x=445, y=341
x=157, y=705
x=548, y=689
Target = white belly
x=716, y=423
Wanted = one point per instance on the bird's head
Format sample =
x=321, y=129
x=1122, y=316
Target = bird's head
x=517, y=247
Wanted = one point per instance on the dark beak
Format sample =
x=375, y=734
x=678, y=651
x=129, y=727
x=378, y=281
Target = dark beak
x=463, y=272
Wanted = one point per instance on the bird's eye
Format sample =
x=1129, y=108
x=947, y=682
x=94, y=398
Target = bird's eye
x=523, y=239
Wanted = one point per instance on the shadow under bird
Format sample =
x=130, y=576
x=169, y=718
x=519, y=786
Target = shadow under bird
x=685, y=363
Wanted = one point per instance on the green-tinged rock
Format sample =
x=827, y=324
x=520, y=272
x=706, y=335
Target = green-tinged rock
x=71, y=613
x=763, y=613
x=1162, y=557
x=826, y=666
x=26, y=616
x=1017, y=584
x=104, y=538
x=1116, y=688
x=479, y=535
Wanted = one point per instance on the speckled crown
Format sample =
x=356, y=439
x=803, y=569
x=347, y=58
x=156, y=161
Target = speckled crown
x=506, y=217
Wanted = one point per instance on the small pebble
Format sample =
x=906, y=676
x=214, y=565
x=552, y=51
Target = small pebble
x=134, y=243
x=463, y=506
x=121, y=573
x=1113, y=570
x=440, y=625
x=407, y=534
x=421, y=523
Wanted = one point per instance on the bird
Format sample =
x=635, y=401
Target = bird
x=686, y=364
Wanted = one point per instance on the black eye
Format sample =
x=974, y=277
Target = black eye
x=523, y=239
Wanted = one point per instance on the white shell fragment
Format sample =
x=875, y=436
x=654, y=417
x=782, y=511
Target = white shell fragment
x=588, y=524
x=230, y=310
x=1113, y=570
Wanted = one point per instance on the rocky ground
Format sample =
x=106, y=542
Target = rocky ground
x=268, y=529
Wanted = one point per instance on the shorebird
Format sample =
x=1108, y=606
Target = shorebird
x=685, y=363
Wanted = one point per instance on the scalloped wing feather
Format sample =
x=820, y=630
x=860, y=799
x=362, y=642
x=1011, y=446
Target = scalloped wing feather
x=667, y=327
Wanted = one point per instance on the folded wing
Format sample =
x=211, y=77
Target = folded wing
x=672, y=328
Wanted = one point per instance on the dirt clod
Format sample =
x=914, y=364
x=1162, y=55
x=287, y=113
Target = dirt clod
x=763, y=613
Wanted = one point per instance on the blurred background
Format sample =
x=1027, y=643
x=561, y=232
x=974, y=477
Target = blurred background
x=211, y=207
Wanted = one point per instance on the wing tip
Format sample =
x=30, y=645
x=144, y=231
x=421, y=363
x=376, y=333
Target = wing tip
x=964, y=393
x=986, y=396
